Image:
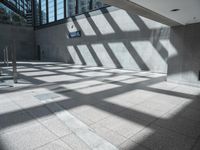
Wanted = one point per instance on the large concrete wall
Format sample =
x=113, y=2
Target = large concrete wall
x=24, y=41
x=184, y=66
x=112, y=38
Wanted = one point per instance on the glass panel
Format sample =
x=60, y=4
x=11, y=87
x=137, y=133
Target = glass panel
x=70, y=8
x=60, y=9
x=83, y=6
x=97, y=4
x=51, y=11
x=43, y=11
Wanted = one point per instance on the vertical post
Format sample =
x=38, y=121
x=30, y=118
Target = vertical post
x=77, y=7
x=40, y=13
x=65, y=9
x=14, y=62
x=91, y=5
x=4, y=55
x=7, y=59
x=1, y=72
x=47, y=11
x=33, y=4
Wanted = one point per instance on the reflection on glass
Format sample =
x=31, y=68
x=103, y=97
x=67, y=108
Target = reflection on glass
x=51, y=11
x=60, y=9
x=83, y=6
x=70, y=8
x=97, y=4
x=43, y=12
x=7, y=16
x=37, y=12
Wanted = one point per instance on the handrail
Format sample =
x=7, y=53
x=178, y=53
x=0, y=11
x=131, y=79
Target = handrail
x=10, y=51
x=6, y=56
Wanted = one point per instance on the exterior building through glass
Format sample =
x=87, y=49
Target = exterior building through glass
x=22, y=6
x=8, y=16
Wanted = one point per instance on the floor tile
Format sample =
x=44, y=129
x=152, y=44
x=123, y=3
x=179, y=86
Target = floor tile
x=157, y=138
x=181, y=125
x=14, y=120
x=27, y=138
x=75, y=142
x=108, y=134
x=56, y=126
x=8, y=107
x=56, y=145
x=197, y=145
x=130, y=145
x=105, y=109
x=123, y=126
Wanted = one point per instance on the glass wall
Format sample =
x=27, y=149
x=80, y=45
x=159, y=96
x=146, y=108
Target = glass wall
x=24, y=6
x=47, y=11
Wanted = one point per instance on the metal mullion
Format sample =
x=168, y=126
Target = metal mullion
x=40, y=13
x=24, y=8
x=65, y=8
x=33, y=13
x=26, y=4
x=77, y=2
x=55, y=9
x=19, y=4
x=16, y=3
x=91, y=3
x=47, y=11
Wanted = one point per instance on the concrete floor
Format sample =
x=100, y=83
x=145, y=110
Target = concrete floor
x=68, y=107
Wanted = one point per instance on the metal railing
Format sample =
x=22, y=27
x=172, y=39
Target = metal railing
x=9, y=59
x=5, y=56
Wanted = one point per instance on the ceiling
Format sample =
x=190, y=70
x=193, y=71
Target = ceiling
x=189, y=10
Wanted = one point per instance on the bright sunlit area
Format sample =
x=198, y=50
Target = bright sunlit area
x=99, y=75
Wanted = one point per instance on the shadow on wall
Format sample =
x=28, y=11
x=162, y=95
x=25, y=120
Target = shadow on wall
x=115, y=39
x=111, y=38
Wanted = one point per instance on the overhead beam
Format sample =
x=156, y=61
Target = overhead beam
x=132, y=7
